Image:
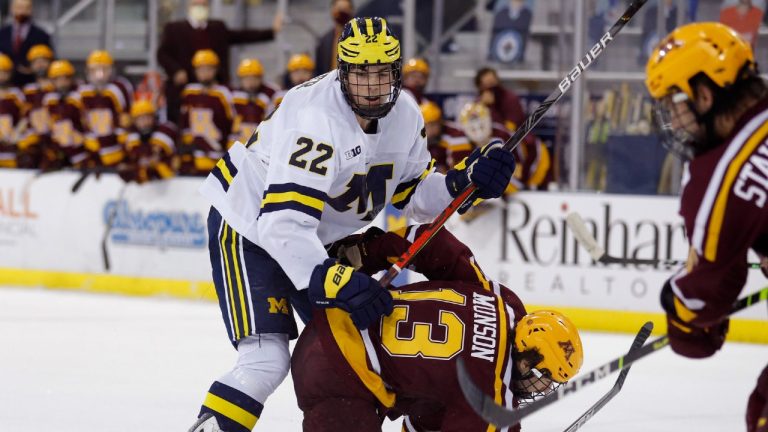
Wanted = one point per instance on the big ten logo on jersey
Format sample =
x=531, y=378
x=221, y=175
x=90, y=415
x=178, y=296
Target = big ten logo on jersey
x=349, y=154
x=365, y=188
x=278, y=305
x=202, y=125
x=752, y=183
x=100, y=121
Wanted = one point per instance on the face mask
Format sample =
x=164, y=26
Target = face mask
x=342, y=17
x=21, y=19
x=198, y=13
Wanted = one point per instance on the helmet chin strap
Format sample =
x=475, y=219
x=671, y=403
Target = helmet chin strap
x=707, y=122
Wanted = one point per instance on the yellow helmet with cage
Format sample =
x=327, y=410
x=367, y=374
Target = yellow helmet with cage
x=557, y=341
x=416, y=65
x=430, y=111
x=99, y=58
x=40, y=51
x=366, y=42
x=250, y=67
x=6, y=64
x=711, y=48
x=300, y=61
x=61, y=68
x=205, y=57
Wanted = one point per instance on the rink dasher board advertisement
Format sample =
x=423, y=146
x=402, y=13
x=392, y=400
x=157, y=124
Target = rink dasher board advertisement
x=158, y=243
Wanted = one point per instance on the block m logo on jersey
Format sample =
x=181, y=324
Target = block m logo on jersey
x=365, y=188
x=278, y=305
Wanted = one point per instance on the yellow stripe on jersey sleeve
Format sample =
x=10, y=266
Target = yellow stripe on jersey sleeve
x=282, y=197
x=231, y=411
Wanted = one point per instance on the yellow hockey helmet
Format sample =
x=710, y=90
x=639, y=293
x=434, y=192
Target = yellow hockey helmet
x=142, y=107
x=300, y=61
x=431, y=112
x=205, y=57
x=556, y=339
x=364, y=43
x=99, y=58
x=250, y=67
x=710, y=48
x=6, y=64
x=60, y=68
x=40, y=51
x=416, y=65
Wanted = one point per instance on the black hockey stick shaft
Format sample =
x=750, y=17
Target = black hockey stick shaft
x=500, y=416
x=524, y=129
x=80, y=180
x=607, y=259
x=110, y=222
x=640, y=339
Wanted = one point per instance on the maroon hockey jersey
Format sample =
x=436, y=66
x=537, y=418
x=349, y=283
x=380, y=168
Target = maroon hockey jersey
x=35, y=140
x=405, y=363
x=12, y=105
x=250, y=110
x=150, y=157
x=723, y=204
x=67, y=130
x=206, y=124
x=105, y=112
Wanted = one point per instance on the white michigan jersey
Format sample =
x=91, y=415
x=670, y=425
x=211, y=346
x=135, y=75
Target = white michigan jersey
x=310, y=175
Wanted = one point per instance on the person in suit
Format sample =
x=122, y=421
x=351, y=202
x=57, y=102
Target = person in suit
x=325, y=53
x=18, y=37
x=181, y=39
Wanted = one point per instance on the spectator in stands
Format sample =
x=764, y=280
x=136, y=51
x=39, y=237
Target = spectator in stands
x=445, y=140
x=206, y=117
x=325, y=53
x=415, y=78
x=300, y=69
x=149, y=147
x=181, y=39
x=18, y=37
x=37, y=135
x=503, y=103
x=253, y=100
x=11, y=114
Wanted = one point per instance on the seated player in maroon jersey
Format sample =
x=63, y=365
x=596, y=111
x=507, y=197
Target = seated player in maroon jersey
x=404, y=364
x=446, y=141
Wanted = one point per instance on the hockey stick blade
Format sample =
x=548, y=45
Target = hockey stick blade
x=585, y=238
x=502, y=417
x=522, y=131
x=640, y=339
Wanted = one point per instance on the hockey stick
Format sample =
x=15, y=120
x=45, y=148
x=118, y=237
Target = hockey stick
x=497, y=415
x=110, y=224
x=594, y=52
x=588, y=242
x=640, y=339
x=80, y=180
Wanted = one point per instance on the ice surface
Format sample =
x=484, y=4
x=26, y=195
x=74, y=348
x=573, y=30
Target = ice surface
x=75, y=362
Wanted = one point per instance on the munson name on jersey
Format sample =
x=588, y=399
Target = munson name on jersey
x=484, y=329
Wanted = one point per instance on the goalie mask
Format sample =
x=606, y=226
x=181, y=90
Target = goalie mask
x=707, y=51
x=369, y=67
x=550, y=347
x=475, y=120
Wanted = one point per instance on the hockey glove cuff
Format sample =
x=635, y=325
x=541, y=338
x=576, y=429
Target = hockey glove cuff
x=687, y=339
x=336, y=285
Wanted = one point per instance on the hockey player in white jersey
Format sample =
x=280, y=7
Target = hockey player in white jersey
x=336, y=151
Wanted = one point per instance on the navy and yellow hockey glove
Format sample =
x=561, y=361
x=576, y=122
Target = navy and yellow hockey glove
x=490, y=168
x=336, y=285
